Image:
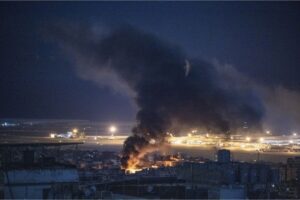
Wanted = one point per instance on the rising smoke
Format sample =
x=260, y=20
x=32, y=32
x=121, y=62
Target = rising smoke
x=169, y=88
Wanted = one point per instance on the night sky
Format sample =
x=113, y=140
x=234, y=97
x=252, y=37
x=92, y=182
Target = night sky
x=260, y=40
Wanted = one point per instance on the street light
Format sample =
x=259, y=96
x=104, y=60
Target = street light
x=261, y=139
x=294, y=134
x=112, y=129
x=248, y=139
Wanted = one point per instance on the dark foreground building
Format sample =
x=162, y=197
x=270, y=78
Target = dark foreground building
x=27, y=175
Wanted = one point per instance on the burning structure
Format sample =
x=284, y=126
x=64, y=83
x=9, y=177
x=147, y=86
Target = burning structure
x=172, y=91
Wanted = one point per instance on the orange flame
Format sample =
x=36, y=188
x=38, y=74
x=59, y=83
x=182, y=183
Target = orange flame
x=134, y=163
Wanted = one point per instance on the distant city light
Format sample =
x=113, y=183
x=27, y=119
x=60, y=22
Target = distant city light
x=291, y=141
x=268, y=132
x=170, y=134
x=248, y=139
x=189, y=135
x=112, y=129
x=294, y=134
x=261, y=139
x=75, y=130
x=52, y=135
x=152, y=141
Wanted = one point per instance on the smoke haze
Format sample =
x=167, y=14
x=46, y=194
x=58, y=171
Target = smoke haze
x=168, y=87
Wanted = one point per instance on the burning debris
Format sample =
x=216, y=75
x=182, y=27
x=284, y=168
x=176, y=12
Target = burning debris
x=171, y=90
x=135, y=148
x=148, y=159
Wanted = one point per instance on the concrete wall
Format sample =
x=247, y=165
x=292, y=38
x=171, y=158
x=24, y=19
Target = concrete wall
x=41, y=176
x=35, y=183
x=227, y=193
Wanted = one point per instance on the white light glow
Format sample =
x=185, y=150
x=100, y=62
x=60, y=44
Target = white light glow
x=112, y=129
x=294, y=134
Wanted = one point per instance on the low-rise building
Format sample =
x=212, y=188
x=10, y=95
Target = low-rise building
x=40, y=182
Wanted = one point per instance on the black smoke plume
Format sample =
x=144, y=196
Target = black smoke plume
x=170, y=89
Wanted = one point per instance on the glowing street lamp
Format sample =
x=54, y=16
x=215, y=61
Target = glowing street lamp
x=75, y=130
x=294, y=134
x=261, y=139
x=112, y=129
x=248, y=139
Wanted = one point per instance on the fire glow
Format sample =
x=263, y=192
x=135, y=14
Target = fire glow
x=143, y=159
x=147, y=161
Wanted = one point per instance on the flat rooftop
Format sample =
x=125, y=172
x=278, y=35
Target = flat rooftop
x=38, y=144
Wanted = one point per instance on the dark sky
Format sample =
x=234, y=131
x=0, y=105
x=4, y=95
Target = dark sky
x=260, y=39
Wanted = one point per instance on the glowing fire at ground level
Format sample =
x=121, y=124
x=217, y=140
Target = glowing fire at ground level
x=151, y=161
x=255, y=143
x=136, y=168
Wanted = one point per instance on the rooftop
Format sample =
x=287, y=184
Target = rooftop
x=38, y=144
